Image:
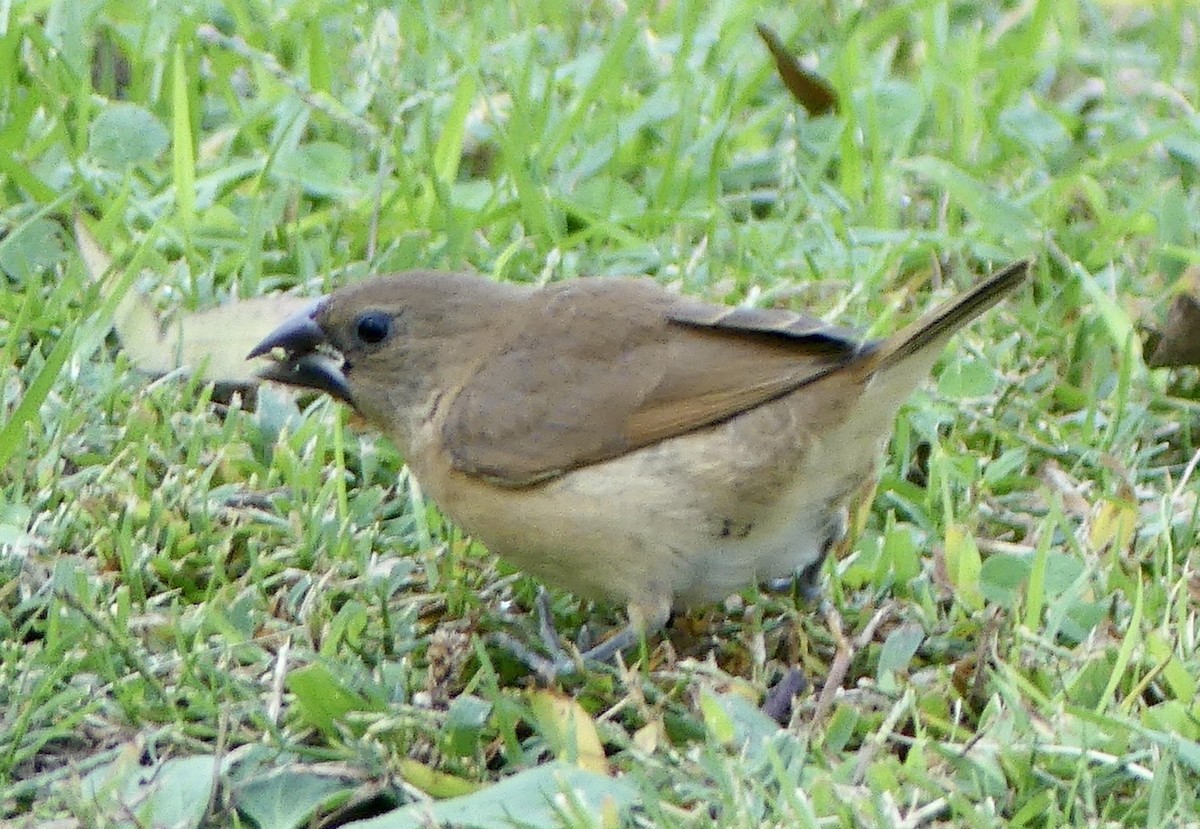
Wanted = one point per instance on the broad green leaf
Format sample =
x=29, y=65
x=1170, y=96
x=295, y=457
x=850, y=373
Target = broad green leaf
x=33, y=246
x=1173, y=717
x=464, y=724
x=126, y=134
x=286, y=798
x=1036, y=129
x=899, y=107
x=323, y=698
x=901, y=556
x=534, y=798
x=898, y=650
x=1181, y=683
x=322, y=168
x=963, y=565
x=1002, y=576
x=172, y=795
x=736, y=721
x=967, y=378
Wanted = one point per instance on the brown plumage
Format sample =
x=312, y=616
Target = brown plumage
x=613, y=438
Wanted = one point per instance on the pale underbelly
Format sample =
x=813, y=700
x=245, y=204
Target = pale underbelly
x=660, y=523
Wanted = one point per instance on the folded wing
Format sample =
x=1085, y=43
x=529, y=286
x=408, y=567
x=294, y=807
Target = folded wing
x=651, y=366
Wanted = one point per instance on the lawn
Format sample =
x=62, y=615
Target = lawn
x=234, y=607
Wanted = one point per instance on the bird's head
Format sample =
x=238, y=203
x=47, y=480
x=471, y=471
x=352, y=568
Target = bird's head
x=386, y=345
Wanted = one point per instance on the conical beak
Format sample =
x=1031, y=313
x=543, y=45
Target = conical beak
x=307, y=360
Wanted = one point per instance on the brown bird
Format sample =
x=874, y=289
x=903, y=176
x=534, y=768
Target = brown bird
x=615, y=439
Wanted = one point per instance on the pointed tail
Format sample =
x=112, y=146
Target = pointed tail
x=937, y=326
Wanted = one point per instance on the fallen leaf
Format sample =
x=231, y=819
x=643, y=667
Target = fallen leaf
x=812, y=91
x=535, y=797
x=648, y=738
x=570, y=730
x=1179, y=343
x=1113, y=525
x=211, y=344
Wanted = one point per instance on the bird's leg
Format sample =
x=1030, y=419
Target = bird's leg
x=559, y=662
x=546, y=627
x=779, y=700
x=807, y=580
x=645, y=619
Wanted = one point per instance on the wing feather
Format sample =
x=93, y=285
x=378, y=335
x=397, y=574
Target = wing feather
x=596, y=368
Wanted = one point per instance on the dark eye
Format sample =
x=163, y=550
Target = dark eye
x=372, y=327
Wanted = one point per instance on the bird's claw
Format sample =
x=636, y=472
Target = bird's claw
x=559, y=662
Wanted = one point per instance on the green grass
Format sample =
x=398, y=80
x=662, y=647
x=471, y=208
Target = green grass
x=196, y=591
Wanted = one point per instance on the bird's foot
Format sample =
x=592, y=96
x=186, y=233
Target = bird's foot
x=548, y=668
x=804, y=583
x=559, y=662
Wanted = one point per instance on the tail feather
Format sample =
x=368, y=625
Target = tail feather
x=937, y=326
x=897, y=365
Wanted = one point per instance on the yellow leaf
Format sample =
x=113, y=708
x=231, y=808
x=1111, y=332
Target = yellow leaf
x=963, y=565
x=648, y=737
x=570, y=730
x=719, y=723
x=1113, y=526
x=434, y=783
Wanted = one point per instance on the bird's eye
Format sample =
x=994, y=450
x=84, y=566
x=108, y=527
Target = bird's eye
x=372, y=327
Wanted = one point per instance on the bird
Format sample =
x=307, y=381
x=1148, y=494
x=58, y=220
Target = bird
x=615, y=439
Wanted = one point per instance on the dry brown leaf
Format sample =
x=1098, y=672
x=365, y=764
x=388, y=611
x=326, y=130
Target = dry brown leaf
x=812, y=91
x=1179, y=344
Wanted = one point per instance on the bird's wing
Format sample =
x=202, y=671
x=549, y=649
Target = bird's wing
x=603, y=367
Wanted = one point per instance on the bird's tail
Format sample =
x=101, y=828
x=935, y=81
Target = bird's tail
x=899, y=364
x=933, y=330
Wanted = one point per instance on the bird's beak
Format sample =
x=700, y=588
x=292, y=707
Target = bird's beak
x=308, y=361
